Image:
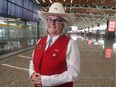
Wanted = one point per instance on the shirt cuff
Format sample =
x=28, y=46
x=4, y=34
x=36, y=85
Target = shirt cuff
x=45, y=80
x=30, y=73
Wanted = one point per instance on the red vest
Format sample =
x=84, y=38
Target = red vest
x=53, y=60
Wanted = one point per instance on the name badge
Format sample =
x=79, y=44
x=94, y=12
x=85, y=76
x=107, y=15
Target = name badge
x=40, y=46
x=56, y=49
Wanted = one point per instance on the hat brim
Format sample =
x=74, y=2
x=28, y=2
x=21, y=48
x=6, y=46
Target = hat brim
x=68, y=17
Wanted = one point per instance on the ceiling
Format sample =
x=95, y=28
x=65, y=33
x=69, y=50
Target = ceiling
x=88, y=13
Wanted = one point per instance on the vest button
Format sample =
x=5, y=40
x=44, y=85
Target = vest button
x=54, y=54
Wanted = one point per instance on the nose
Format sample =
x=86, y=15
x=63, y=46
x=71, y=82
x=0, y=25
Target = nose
x=53, y=22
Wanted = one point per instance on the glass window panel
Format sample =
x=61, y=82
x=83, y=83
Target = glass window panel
x=36, y=8
x=3, y=6
x=28, y=5
x=35, y=17
x=14, y=10
x=27, y=14
x=18, y=2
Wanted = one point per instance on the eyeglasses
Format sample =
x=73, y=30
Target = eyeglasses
x=56, y=21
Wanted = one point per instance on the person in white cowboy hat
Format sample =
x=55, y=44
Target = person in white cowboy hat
x=56, y=58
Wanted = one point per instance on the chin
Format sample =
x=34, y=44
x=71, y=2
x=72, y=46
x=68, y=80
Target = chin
x=52, y=34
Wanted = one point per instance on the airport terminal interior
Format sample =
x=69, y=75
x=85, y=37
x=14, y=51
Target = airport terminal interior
x=94, y=30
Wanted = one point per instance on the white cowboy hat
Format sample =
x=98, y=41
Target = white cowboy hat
x=58, y=10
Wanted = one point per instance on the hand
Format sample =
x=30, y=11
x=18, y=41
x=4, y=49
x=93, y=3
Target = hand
x=36, y=79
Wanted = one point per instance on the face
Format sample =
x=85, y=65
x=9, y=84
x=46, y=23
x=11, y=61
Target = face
x=54, y=25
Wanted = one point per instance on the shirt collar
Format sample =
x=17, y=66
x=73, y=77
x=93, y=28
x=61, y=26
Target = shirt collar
x=54, y=38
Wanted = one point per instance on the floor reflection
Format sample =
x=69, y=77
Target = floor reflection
x=14, y=45
x=108, y=45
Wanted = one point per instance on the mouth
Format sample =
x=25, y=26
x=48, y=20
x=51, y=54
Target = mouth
x=52, y=27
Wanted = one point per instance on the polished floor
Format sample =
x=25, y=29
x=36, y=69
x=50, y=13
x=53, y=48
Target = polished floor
x=98, y=65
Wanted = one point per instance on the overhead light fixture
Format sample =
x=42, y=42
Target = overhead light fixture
x=64, y=0
x=45, y=9
x=43, y=1
x=50, y=1
x=71, y=1
x=37, y=1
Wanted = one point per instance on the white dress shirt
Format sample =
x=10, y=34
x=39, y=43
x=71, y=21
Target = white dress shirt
x=73, y=66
